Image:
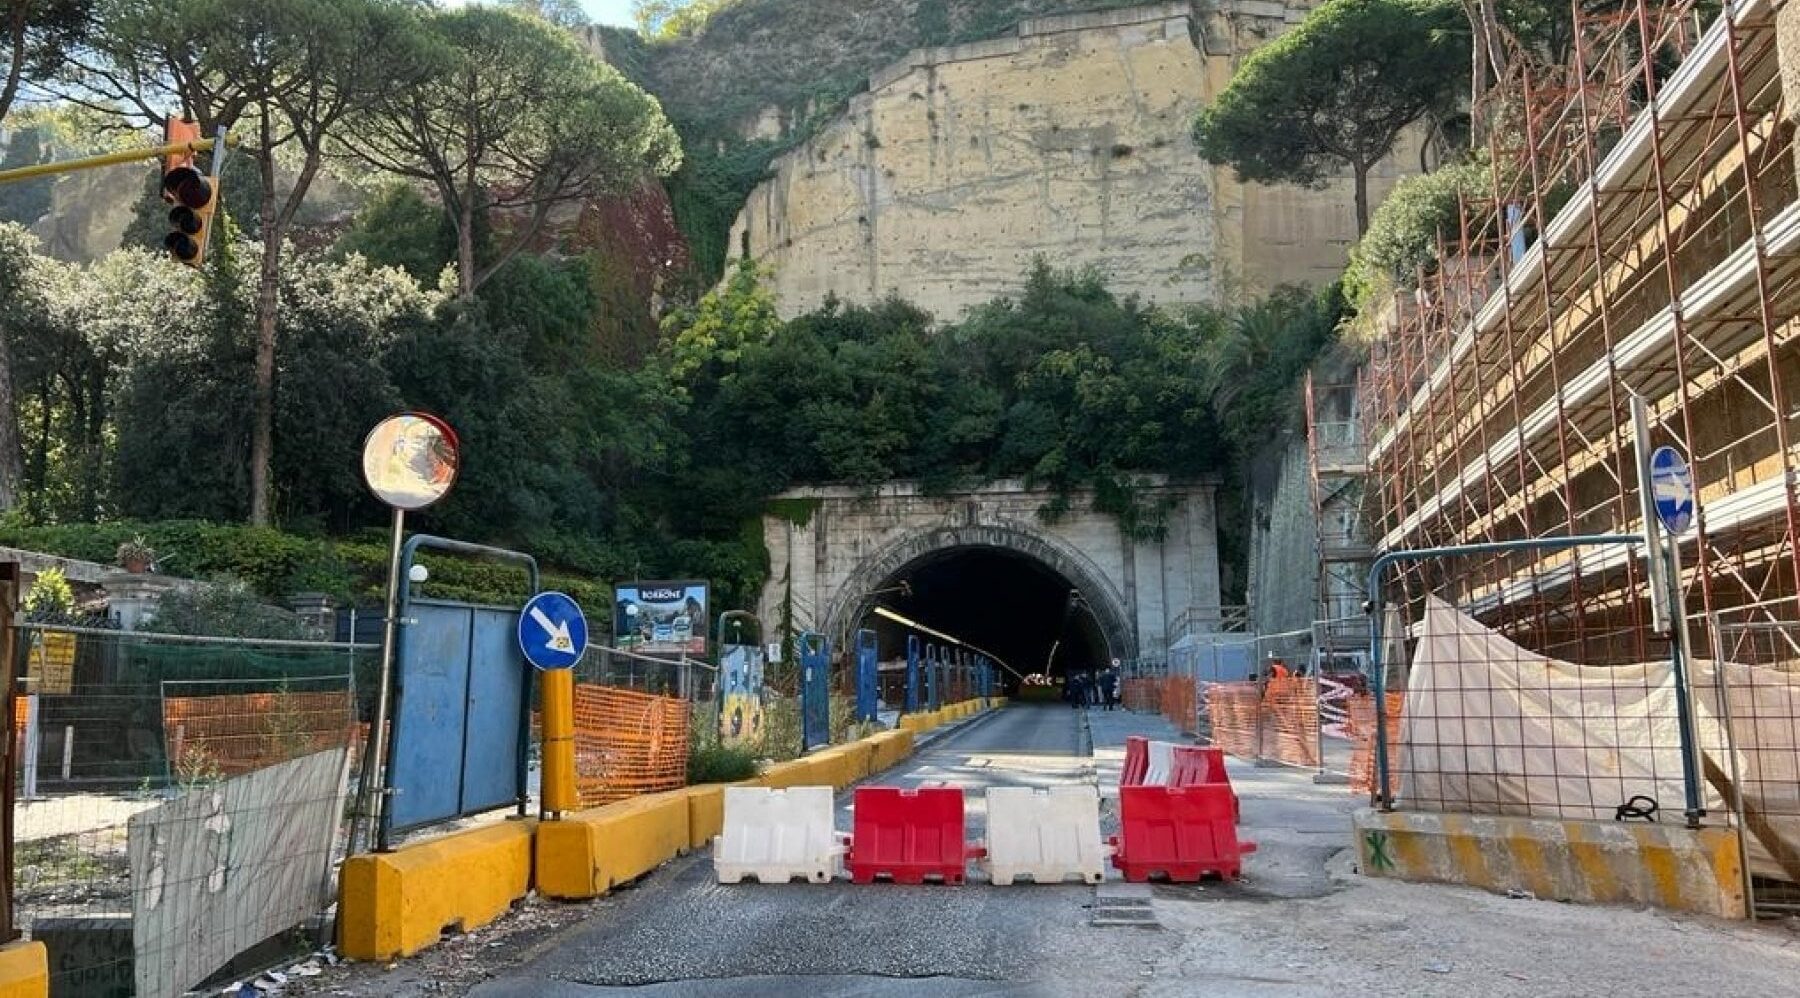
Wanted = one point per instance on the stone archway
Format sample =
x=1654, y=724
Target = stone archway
x=852, y=601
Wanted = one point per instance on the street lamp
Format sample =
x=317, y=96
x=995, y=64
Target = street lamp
x=882, y=611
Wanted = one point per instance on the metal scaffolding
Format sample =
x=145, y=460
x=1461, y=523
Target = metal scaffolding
x=1640, y=235
x=1337, y=466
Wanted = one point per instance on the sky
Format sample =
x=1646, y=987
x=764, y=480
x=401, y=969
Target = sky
x=609, y=11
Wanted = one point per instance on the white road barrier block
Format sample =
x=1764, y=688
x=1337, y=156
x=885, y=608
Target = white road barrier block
x=777, y=835
x=1047, y=835
x=1162, y=763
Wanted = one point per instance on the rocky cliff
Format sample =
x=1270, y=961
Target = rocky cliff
x=1066, y=137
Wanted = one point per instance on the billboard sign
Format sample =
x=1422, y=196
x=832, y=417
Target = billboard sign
x=661, y=618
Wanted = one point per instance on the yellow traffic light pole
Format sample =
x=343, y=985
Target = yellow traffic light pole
x=110, y=159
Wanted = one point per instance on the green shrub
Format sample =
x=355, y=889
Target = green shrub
x=275, y=564
x=50, y=593
x=1403, y=234
x=720, y=764
x=226, y=609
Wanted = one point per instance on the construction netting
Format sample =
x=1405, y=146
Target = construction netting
x=1361, y=732
x=628, y=742
x=1142, y=693
x=1490, y=727
x=233, y=733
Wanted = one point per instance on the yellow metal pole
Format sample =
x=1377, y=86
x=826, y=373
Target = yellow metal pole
x=558, y=689
x=105, y=159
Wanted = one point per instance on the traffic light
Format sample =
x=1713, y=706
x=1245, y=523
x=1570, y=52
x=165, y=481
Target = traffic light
x=192, y=194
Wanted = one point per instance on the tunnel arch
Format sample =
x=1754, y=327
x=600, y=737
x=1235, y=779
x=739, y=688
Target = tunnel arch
x=854, y=600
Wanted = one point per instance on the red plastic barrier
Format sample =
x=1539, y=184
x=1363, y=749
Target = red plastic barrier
x=908, y=836
x=1202, y=765
x=1183, y=833
x=1198, y=765
x=1137, y=761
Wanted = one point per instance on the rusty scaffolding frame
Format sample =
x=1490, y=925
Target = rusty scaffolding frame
x=1640, y=235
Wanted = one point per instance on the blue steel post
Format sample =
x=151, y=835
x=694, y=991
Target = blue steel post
x=931, y=677
x=1378, y=678
x=868, y=664
x=912, y=674
x=814, y=651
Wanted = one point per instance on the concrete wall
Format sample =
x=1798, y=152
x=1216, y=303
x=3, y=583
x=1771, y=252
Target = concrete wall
x=1787, y=47
x=1069, y=138
x=851, y=542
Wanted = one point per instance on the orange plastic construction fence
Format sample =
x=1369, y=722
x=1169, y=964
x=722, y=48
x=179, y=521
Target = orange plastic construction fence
x=235, y=733
x=1290, y=716
x=1180, y=703
x=1277, y=720
x=628, y=743
x=1234, y=710
x=1142, y=694
x=1362, y=738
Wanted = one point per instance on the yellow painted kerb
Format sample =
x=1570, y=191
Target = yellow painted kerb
x=396, y=904
x=24, y=970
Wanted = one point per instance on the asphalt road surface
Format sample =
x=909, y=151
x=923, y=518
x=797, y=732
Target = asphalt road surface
x=682, y=934
x=1302, y=922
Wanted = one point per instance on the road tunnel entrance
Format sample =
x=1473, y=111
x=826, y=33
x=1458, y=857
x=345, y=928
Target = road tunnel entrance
x=1006, y=603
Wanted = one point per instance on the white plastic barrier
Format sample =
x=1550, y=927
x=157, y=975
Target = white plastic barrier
x=1047, y=835
x=1162, y=763
x=777, y=835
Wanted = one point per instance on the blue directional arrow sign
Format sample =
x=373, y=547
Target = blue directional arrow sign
x=1672, y=485
x=553, y=633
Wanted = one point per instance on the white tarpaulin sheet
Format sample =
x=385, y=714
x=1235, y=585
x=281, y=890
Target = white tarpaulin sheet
x=1491, y=728
x=224, y=867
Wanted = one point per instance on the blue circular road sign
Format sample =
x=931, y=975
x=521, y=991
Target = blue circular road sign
x=553, y=632
x=1672, y=486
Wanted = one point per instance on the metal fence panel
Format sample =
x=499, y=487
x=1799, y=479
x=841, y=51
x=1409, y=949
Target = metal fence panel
x=461, y=687
x=432, y=693
x=499, y=691
x=152, y=730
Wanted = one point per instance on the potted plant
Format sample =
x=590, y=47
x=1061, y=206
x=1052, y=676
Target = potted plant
x=135, y=555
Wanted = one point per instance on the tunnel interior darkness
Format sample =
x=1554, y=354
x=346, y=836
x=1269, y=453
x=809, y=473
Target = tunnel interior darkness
x=1007, y=603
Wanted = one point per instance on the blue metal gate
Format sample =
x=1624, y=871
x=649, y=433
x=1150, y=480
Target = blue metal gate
x=458, y=739
x=868, y=664
x=815, y=691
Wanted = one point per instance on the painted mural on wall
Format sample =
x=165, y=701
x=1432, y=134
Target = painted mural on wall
x=740, y=696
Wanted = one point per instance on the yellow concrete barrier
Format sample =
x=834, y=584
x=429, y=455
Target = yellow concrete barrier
x=889, y=749
x=589, y=853
x=398, y=903
x=842, y=765
x=706, y=814
x=1601, y=862
x=793, y=773
x=24, y=970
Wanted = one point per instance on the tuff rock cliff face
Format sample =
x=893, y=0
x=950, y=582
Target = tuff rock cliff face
x=1066, y=137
